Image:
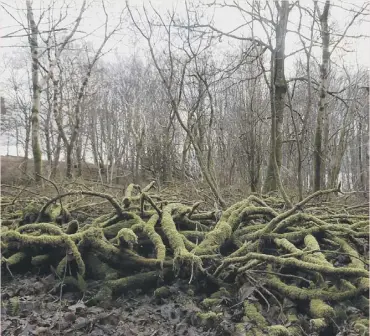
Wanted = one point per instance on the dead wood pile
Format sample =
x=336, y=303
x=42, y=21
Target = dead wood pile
x=309, y=260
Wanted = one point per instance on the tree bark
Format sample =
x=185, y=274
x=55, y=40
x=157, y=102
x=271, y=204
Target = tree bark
x=48, y=125
x=36, y=91
x=56, y=157
x=26, y=147
x=321, y=115
x=279, y=89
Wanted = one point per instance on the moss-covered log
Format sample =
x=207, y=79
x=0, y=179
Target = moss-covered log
x=304, y=254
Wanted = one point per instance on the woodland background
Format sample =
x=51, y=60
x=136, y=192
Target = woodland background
x=188, y=100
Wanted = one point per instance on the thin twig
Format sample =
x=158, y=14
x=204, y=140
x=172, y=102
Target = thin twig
x=281, y=274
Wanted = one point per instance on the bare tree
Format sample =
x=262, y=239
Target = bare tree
x=321, y=115
x=33, y=40
x=177, y=66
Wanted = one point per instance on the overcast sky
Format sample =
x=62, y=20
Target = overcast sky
x=225, y=19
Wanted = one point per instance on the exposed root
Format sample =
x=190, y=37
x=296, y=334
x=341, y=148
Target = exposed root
x=292, y=255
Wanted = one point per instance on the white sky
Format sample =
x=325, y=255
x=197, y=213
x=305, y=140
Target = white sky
x=226, y=19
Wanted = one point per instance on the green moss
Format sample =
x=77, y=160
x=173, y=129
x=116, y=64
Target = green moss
x=155, y=238
x=287, y=245
x=162, y=293
x=194, y=235
x=76, y=255
x=72, y=282
x=278, y=330
x=293, y=328
x=214, y=239
x=252, y=315
x=128, y=195
x=242, y=250
x=3, y=228
x=16, y=258
x=254, y=331
x=82, y=285
x=319, y=309
x=221, y=293
x=143, y=280
x=63, y=240
x=318, y=324
x=312, y=244
x=294, y=292
x=101, y=219
x=188, y=244
x=240, y=329
x=222, y=231
x=292, y=317
x=236, y=216
x=291, y=248
x=210, y=304
x=363, y=321
x=346, y=248
x=94, y=239
x=361, y=326
x=175, y=238
x=208, y=320
x=248, y=229
x=204, y=216
x=72, y=227
x=58, y=214
x=110, y=221
x=30, y=212
x=361, y=224
x=61, y=268
x=104, y=295
x=261, y=212
x=126, y=236
x=55, y=211
x=130, y=189
x=291, y=220
x=250, y=264
x=184, y=223
x=290, y=261
x=170, y=230
x=190, y=292
x=297, y=235
x=40, y=259
x=112, y=230
x=45, y=228
x=119, y=258
x=132, y=259
x=361, y=329
x=13, y=306
x=98, y=269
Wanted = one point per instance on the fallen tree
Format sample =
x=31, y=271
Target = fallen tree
x=304, y=260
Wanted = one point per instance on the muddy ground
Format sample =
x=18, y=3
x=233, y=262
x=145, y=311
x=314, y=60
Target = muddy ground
x=33, y=305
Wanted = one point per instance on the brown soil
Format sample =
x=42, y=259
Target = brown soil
x=39, y=309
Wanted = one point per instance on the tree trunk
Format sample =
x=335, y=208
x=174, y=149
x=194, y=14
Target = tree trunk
x=36, y=90
x=79, y=156
x=321, y=115
x=279, y=88
x=56, y=157
x=16, y=140
x=77, y=123
x=69, y=161
x=47, y=130
x=184, y=156
x=26, y=148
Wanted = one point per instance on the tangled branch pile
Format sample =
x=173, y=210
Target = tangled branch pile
x=308, y=260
